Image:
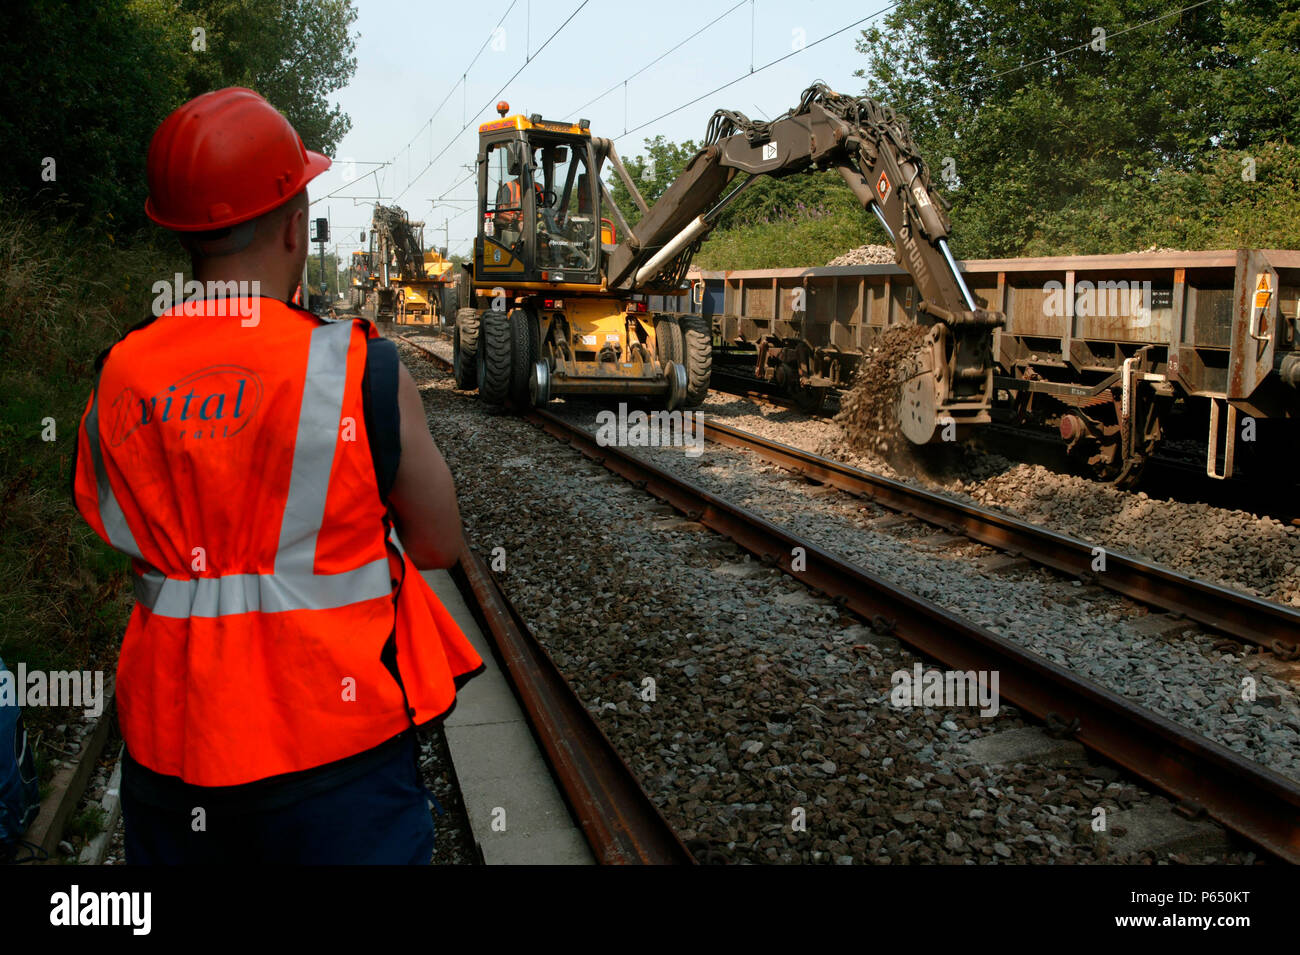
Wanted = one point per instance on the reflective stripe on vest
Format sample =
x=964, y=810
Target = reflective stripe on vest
x=293, y=586
x=110, y=511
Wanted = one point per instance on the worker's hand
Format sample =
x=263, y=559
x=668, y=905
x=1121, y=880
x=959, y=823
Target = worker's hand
x=423, y=496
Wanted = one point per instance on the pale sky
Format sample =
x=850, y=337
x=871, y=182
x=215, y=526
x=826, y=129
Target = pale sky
x=411, y=55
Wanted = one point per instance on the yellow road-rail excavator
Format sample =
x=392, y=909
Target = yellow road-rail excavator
x=560, y=280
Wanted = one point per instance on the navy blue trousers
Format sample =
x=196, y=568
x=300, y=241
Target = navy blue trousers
x=381, y=818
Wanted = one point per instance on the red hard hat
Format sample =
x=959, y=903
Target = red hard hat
x=223, y=158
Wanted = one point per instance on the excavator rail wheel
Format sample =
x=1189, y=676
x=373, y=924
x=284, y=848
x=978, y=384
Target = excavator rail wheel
x=523, y=355
x=668, y=339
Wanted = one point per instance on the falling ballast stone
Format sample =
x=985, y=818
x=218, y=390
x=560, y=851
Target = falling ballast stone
x=1027, y=744
x=742, y=570
x=799, y=598
x=1150, y=829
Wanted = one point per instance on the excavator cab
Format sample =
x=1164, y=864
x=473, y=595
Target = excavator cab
x=544, y=322
x=539, y=217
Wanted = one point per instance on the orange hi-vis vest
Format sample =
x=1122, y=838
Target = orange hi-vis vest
x=230, y=460
x=512, y=209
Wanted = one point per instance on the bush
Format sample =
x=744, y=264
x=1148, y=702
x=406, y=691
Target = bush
x=66, y=295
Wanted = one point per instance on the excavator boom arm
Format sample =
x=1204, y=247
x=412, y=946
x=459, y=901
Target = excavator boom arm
x=396, y=232
x=950, y=377
x=866, y=142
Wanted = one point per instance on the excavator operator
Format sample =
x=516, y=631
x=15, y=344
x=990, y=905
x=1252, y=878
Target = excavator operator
x=509, y=205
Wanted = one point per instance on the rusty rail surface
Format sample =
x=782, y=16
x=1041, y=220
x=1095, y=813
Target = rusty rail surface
x=620, y=822
x=1242, y=795
x=1228, y=611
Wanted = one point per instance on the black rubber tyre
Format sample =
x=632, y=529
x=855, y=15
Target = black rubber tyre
x=464, y=349
x=668, y=339
x=523, y=335
x=697, y=342
x=494, y=357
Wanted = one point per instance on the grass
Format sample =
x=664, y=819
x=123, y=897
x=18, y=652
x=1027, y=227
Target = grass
x=66, y=293
x=86, y=824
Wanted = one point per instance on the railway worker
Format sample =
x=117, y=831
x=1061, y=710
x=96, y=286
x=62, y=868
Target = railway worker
x=510, y=200
x=282, y=648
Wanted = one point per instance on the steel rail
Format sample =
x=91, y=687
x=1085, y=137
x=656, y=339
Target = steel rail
x=620, y=822
x=1228, y=611
x=1242, y=795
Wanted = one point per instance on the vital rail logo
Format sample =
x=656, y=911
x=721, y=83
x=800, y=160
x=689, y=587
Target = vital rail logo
x=75, y=908
x=213, y=403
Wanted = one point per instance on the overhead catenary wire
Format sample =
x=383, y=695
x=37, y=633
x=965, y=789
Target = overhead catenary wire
x=464, y=73
x=351, y=182
x=623, y=83
x=671, y=49
x=1074, y=49
x=760, y=69
x=493, y=99
x=886, y=9
x=692, y=36
x=429, y=122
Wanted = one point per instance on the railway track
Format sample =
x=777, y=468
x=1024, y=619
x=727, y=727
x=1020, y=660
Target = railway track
x=1245, y=797
x=1235, y=614
x=621, y=824
x=1180, y=477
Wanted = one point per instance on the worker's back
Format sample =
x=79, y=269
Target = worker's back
x=236, y=466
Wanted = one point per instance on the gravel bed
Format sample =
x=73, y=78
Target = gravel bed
x=768, y=700
x=1252, y=553
x=1194, y=679
x=453, y=838
x=1255, y=554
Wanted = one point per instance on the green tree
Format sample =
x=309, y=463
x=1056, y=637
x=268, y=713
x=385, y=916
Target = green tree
x=293, y=52
x=68, y=138
x=652, y=173
x=1061, y=143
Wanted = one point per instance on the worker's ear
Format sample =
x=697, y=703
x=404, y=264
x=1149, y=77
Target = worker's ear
x=294, y=229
